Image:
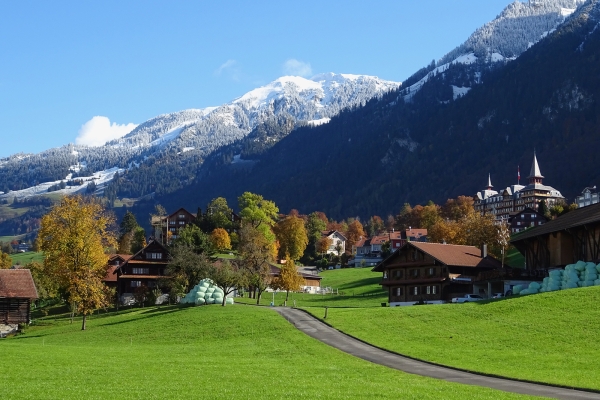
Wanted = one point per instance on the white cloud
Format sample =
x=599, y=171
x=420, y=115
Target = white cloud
x=229, y=68
x=99, y=130
x=298, y=68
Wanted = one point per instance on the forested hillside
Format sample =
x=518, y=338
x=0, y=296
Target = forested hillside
x=372, y=160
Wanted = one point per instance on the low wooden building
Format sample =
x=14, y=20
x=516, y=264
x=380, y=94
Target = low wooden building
x=565, y=240
x=144, y=269
x=432, y=272
x=310, y=279
x=114, y=262
x=17, y=289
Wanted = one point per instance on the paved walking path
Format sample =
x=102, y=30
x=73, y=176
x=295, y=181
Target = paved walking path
x=326, y=334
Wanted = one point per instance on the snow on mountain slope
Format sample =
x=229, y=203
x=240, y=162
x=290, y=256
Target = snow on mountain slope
x=518, y=27
x=322, y=96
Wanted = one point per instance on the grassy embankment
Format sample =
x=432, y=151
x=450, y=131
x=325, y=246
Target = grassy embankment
x=26, y=258
x=353, y=287
x=549, y=337
x=200, y=352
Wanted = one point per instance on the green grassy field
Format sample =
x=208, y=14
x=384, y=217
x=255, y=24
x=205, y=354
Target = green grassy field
x=7, y=211
x=514, y=258
x=549, y=337
x=353, y=287
x=26, y=258
x=200, y=352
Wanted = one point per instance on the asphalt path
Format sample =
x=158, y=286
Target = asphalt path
x=326, y=334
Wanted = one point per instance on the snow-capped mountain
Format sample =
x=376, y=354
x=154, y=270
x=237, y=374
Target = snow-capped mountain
x=305, y=100
x=512, y=32
x=193, y=134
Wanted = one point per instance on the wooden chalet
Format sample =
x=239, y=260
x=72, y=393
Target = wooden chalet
x=432, y=272
x=144, y=269
x=565, y=240
x=17, y=289
x=114, y=262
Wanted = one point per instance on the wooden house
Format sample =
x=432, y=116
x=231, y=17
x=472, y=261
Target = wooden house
x=144, y=269
x=114, y=262
x=338, y=241
x=565, y=240
x=432, y=272
x=17, y=289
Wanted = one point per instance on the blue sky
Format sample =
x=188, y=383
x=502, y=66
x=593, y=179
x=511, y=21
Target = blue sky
x=66, y=62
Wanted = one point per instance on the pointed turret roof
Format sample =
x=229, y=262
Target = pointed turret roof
x=490, y=181
x=535, y=169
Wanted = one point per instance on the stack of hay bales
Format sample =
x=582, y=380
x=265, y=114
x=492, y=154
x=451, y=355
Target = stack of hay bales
x=553, y=282
x=580, y=274
x=205, y=292
x=533, y=288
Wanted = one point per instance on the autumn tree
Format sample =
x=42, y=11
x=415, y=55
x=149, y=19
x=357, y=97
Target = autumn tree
x=220, y=239
x=5, y=261
x=324, y=244
x=228, y=276
x=355, y=233
x=292, y=237
x=73, y=236
x=430, y=215
x=375, y=225
x=289, y=278
x=456, y=209
x=257, y=253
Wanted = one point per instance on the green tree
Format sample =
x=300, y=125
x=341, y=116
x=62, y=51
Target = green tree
x=256, y=253
x=543, y=209
x=185, y=269
x=73, y=237
x=128, y=223
x=218, y=215
x=195, y=238
x=228, y=277
x=259, y=213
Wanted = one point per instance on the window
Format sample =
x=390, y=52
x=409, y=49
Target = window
x=428, y=289
x=171, y=222
x=415, y=290
x=415, y=273
x=431, y=271
x=181, y=222
x=153, y=256
x=141, y=271
x=181, y=216
x=399, y=291
x=136, y=283
x=398, y=273
x=434, y=289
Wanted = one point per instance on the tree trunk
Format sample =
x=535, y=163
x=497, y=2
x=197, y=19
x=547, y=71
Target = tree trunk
x=287, y=295
x=83, y=323
x=224, y=300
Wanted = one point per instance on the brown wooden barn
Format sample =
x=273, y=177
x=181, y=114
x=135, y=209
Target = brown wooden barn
x=17, y=289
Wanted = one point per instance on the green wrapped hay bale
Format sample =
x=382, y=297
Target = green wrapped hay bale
x=200, y=302
x=534, y=286
x=597, y=282
x=517, y=289
x=571, y=285
x=229, y=300
x=579, y=265
x=210, y=301
x=598, y=268
x=590, y=265
x=524, y=292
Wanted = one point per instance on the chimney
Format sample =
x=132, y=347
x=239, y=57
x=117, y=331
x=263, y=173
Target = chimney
x=484, y=250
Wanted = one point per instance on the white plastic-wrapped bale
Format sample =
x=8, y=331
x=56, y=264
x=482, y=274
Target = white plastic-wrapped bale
x=229, y=300
x=200, y=301
x=210, y=301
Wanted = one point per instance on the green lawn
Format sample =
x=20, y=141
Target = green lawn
x=549, y=337
x=514, y=258
x=200, y=352
x=26, y=258
x=352, y=287
x=353, y=281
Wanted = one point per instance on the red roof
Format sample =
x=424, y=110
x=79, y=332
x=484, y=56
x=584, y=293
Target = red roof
x=17, y=283
x=451, y=254
x=110, y=274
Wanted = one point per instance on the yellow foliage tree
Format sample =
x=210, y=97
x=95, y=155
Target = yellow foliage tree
x=289, y=279
x=5, y=261
x=292, y=237
x=73, y=236
x=323, y=245
x=220, y=239
x=355, y=232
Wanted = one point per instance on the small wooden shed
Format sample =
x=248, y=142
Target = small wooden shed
x=17, y=289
